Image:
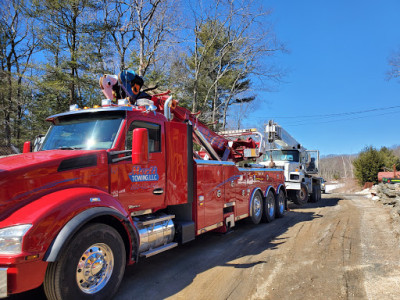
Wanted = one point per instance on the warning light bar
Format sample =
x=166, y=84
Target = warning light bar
x=106, y=102
x=123, y=102
x=73, y=107
x=238, y=132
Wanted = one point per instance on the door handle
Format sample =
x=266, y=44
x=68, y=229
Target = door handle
x=158, y=191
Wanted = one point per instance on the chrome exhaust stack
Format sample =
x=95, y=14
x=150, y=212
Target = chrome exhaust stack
x=167, y=110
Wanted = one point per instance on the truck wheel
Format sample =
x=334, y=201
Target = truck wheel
x=90, y=267
x=316, y=193
x=301, y=195
x=280, y=204
x=269, y=207
x=256, y=208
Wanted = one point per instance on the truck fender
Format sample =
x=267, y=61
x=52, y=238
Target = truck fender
x=270, y=188
x=281, y=187
x=316, y=180
x=72, y=226
x=252, y=197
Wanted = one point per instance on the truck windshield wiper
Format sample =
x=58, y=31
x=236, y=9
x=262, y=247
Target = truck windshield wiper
x=69, y=148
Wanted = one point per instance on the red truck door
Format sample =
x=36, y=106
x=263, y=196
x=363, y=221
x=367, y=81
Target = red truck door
x=142, y=186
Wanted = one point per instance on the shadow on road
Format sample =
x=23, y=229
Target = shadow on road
x=170, y=272
x=326, y=201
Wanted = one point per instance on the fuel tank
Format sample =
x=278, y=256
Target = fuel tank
x=154, y=231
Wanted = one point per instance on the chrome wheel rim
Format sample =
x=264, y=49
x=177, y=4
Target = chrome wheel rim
x=94, y=268
x=257, y=206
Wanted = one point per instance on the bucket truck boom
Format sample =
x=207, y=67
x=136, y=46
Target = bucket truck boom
x=299, y=164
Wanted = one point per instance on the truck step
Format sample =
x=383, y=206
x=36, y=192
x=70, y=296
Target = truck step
x=155, y=251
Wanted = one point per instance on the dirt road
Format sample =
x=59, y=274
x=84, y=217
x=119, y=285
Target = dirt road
x=340, y=248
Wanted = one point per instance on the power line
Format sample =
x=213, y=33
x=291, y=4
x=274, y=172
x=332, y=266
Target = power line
x=335, y=114
x=338, y=120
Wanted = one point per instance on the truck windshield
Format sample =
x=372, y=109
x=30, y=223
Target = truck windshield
x=286, y=155
x=90, y=132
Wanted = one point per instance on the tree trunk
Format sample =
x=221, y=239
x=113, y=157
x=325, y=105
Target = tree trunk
x=141, y=54
x=19, y=110
x=122, y=60
x=215, y=107
x=196, y=75
x=225, y=112
x=7, y=118
x=72, y=99
x=344, y=167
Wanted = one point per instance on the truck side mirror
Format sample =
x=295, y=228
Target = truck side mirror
x=27, y=147
x=140, y=146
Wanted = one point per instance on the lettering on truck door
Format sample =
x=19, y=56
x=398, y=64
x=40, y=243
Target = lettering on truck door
x=143, y=186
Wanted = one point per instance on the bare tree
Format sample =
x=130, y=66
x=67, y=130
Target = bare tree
x=119, y=19
x=155, y=23
x=337, y=166
x=344, y=167
x=350, y=163
x=229, y=54
x=239, y=110
x=141, y=30
x=17, y=46
x=394, y=63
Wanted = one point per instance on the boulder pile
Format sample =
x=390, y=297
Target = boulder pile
x=389, y=194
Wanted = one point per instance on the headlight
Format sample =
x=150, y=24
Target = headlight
x=11, y=238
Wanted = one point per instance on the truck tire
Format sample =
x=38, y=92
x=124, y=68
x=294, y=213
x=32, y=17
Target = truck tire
x=301, y=195
x=256, y=208
x=90, y=267
x=269, y=207
x=280, y=204
x=316, y=193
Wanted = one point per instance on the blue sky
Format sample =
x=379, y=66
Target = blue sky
x=337, y=64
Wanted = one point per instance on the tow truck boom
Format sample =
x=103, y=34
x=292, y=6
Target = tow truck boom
x=221, y=148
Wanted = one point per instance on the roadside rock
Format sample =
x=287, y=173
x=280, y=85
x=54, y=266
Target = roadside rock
x=389, y=194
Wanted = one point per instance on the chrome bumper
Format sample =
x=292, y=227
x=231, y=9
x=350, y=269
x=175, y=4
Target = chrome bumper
x=3, y=282
x=292, y=185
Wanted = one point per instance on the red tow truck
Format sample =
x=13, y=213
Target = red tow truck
x=114, y=183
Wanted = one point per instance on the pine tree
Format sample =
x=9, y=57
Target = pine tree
x=371, y=161
x=73, y=40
